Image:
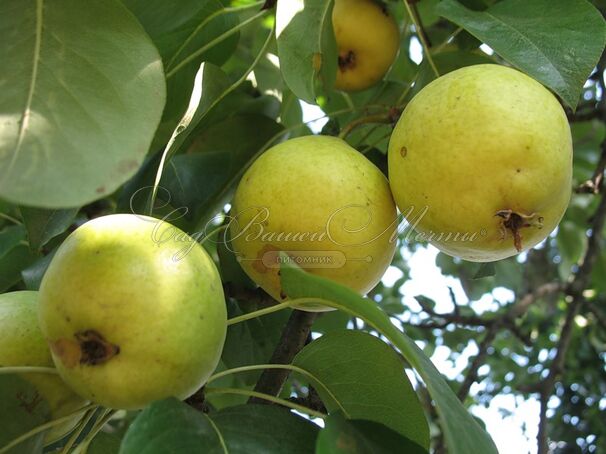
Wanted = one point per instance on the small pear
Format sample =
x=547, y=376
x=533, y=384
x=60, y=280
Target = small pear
x=133, y=310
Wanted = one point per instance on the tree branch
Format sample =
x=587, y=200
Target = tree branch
x=293, y=339
x=594, y=184
x=478, y=360
x=507, y=320
x=574, y=289
x=597, y=312
x=391, y=117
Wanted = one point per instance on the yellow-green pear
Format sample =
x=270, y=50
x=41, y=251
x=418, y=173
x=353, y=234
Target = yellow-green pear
x=133, y=310
x=480, y=163
x=367, y=40
x=22, y=344
x=319, y=201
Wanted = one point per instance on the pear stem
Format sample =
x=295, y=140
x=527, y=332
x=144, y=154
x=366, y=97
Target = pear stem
x=375, y=118
x=276, y=308
x=276, y=400
x=43, y=427
x=317, y=383
x=421, y=34
x=78, y=430
x=103, y=419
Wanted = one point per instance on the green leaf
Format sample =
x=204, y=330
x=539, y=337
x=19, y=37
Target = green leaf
x=203, y=178
x=43, y=225
x=571, y=242
x=32, y=274
x=11, y=265
x=178, y=29
x=331, y=321
x=448, y=61
x=547, y=39
x=103, y=443
x=15, y=255
x=363, y=377
x=21, y=410
x=175, y=28
x=230, y=269
x=485, y=270
x=462, y=432
x=10, y=238
x=210, y=86
x=306, y=46
x=264, y=429
x=171, y=426
x=342, y=436
x=83, y=92
x=427, y=12
x=252, y=341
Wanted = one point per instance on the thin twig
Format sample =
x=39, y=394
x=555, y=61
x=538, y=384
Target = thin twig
x=421, y=34
x=478, y=360
x=389, y=117
x=594, y=184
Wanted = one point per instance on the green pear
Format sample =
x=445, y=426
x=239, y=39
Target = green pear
x=480, y=163
x=22, y=344
x=133, y=310
x=319, y=201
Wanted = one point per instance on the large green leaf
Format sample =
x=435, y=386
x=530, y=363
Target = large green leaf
x=103, y=443
x=15, y=255
x=357, y=436
x=170, y=426
x=264, y=429
x=547, y=39
x=82, y=94
x=306, y=46
x=178, y=29
x=200, y=182
x=462, y=433
x=364, y=378
x=210, y=86
x=10, y=238
x=21, y=410
x=43, y=225
x=202, y=179
x=447, y=61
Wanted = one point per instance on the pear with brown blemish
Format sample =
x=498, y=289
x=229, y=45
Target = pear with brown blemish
x=367, y=40
x=133, y=310
x=322, y=203
x=488, y=152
